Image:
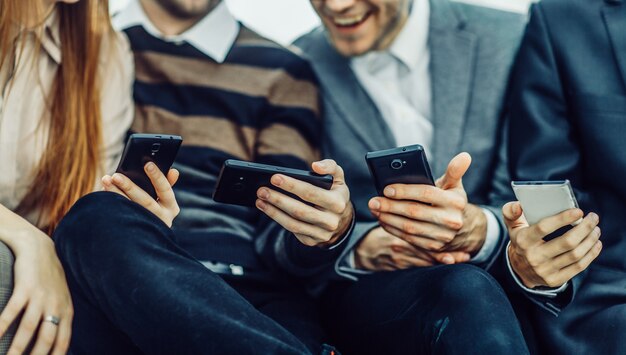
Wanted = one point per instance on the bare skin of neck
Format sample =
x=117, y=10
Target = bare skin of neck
x=167, y=24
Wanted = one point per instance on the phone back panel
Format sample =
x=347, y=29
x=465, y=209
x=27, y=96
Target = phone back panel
x=239, y=181
x=542, y=199
x=161, y=149
x=403, y=165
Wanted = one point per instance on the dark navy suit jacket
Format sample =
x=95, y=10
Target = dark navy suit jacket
x=568, y=121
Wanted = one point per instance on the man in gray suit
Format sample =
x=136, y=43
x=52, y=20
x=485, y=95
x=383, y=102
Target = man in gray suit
x=401, y=72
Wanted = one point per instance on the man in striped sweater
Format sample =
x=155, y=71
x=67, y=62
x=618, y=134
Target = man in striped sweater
x=224, y=279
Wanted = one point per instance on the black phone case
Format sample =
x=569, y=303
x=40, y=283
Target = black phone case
x=403, y=165
x=239, y=181
x=161, y=149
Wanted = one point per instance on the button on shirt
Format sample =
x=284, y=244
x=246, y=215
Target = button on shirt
x=25, y=87
x=398, y=81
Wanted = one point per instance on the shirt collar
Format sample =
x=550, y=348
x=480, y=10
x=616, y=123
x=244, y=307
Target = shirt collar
x=49, y=35
x=214, y=35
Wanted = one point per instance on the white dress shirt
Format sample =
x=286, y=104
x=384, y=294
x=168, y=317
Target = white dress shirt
x=203, y=35
x=398, y=81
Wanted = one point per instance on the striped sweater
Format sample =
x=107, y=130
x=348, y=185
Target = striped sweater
x=260, y=104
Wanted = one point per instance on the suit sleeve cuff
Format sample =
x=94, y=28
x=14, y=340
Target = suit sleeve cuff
x=549, y=293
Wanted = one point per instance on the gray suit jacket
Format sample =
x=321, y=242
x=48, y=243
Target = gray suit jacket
x=472, y=49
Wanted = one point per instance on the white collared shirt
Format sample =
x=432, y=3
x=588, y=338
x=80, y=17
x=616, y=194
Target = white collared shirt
x=214, y=35
x=398, y=81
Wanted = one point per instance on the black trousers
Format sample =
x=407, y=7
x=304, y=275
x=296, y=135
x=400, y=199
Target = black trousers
x=458, y=309
x=136, y=291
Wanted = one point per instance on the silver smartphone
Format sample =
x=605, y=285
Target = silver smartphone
x=541, y=199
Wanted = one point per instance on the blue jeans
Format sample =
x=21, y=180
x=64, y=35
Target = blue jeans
x=136, y=291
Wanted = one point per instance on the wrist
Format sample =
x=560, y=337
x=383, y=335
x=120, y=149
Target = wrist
x=478, y=228
x=362, y=254
x=517, y=267
x=348, y=221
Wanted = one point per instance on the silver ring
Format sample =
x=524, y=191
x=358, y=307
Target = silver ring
x=52, y=319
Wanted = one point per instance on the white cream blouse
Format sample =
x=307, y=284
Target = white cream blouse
x=24, y=87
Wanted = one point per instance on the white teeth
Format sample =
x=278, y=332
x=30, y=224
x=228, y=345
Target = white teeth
x=348, y=21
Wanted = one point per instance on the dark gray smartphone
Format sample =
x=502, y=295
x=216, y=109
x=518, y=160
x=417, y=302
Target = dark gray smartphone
x=239, y=181
x=403, y=165
x=161, y=149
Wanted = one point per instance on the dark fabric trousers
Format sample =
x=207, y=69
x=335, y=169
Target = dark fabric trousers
x=458, y=309
x=135, y=291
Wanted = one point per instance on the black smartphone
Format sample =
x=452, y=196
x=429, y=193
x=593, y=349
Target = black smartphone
x=403, y=165
x=161, y=149
x=239, y=181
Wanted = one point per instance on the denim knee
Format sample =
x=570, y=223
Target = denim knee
x=98, y=222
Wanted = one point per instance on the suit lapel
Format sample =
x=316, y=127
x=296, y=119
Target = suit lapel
x=615, y=20
x=351, y=100
x=452, y=51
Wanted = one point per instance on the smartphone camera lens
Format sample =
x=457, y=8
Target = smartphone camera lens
x=396, y=164
x=155, y=148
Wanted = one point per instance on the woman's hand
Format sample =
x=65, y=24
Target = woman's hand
x=40, y=295
x=165, y=206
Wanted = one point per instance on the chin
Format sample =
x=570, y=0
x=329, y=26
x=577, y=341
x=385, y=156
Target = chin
x=351, y=49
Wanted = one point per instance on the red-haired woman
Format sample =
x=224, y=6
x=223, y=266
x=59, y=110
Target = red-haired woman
x=65, y=106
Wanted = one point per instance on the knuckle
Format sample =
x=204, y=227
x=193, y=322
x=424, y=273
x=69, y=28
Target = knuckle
x=309, y=195
x=299, y=214
x=339, y=206
x=577, y=254
x=533, y=261
x=570, y=242
x=541, y=229
x=455, y=222
x=332, y=224
x=29, y=325
x=459, y=203
x=275, y=198
x=447, y=236
x=294, y=228
x=413, y=210
x=428, y=193
x=409, y=228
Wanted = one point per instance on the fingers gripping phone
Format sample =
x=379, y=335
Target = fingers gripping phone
x=239, y=181
x=403, y=165
x=161, y=149
x=541, y=199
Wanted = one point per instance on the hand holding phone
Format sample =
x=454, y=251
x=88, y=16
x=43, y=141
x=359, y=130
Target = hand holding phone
x=315, y=207
x=141, y=149
x=434, y=218
x=549, y=263
x=161, y=149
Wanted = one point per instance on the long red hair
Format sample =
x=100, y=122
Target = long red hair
x=68, y=169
